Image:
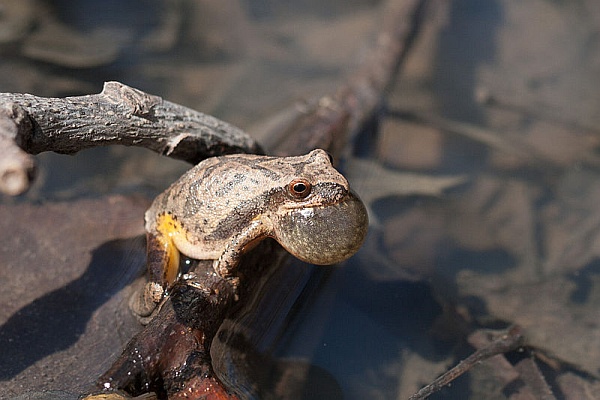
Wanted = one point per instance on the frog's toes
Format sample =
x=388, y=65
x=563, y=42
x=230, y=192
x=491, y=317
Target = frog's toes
x=222, y=268
x=119, y=396
x=108, y=396
x=144, y=302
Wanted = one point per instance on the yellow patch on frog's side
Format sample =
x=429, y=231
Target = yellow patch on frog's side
x=168, y=228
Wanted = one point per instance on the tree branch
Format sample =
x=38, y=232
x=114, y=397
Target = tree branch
x=118, y=115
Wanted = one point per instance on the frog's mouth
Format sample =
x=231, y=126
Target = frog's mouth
x=327, y=234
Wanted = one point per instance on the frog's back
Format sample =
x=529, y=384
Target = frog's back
x=221, y=196
x=215, y=198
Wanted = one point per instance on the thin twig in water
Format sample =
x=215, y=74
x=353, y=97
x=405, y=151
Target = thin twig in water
x=508, y=341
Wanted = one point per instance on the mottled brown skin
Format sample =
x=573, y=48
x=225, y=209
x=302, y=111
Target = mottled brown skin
x=223, y=206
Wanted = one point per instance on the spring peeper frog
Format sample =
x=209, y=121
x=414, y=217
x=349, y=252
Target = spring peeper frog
x=224, y=205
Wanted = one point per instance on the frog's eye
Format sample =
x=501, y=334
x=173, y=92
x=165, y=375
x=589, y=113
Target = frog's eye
x=299, y=188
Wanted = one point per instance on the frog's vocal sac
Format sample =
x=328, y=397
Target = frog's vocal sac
x=224, y=205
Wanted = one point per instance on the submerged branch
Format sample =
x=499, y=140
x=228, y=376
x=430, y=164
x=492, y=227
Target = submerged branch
x=509, y=340
x=319, y=122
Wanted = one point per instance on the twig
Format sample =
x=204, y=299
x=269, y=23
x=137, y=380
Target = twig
x=510, y=340
x=488, y=137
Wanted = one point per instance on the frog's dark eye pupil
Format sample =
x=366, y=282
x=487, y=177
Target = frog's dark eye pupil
x=299, y=188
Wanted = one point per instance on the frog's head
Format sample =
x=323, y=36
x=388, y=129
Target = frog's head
x=322, y=221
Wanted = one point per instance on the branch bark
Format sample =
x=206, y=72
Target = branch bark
x=17, y=168
x=118, y=115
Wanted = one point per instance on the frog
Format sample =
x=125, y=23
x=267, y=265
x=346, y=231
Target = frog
x=225, y=205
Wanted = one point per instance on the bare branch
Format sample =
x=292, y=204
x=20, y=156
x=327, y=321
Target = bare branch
x=118, y=115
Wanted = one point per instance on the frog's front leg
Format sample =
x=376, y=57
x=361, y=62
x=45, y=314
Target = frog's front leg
x=258, y=229
x=162, y=263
